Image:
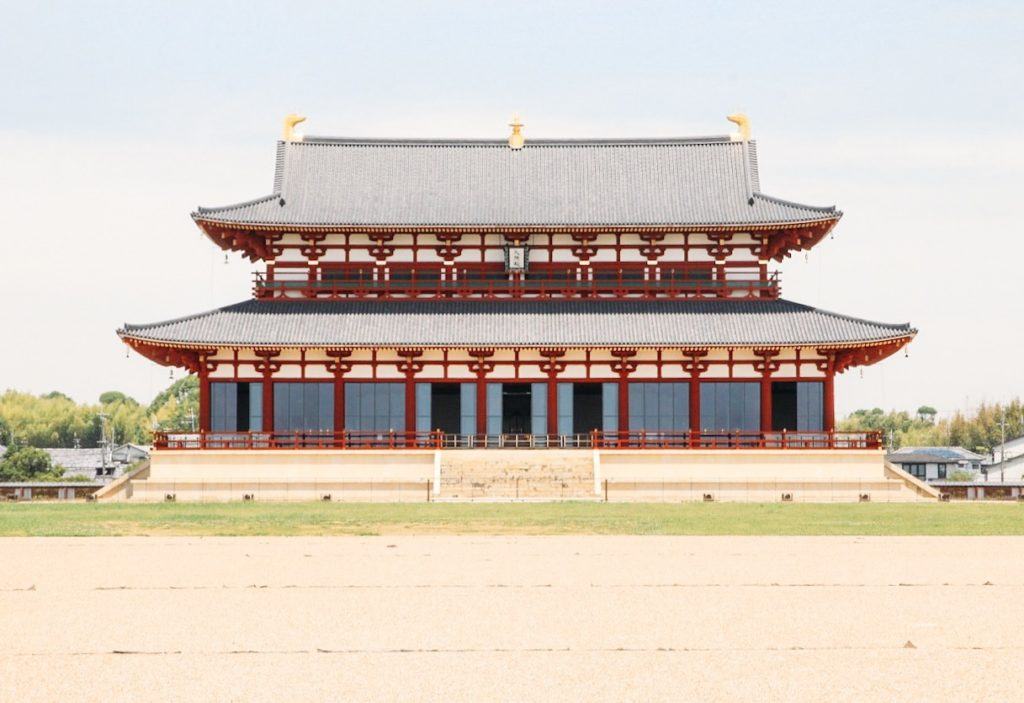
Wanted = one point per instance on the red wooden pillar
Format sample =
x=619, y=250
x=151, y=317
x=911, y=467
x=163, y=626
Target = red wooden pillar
x=339, y=367
x=552, y=405
x=410, y=404
x=624, y=367
x=623, y=404
x=767, y=366
x=552, y=367
x=268, y=402
x=410, y=367
x=695, y=405
x=204, y=398
x=766, y=403
x=267, y=367
x=339, y=405
x=481, y=367
x=829, y=400
x=695, y=365
x=481, y=405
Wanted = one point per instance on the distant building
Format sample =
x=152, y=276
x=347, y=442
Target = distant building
x=1007, y=461
x=936, y=463
x=1011, y=449
x=97, y=463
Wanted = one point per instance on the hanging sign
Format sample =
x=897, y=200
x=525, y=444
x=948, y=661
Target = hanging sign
x=517, y=258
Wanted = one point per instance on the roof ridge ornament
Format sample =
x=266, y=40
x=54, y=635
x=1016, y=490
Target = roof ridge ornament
x=516, y=140
x=743, y=122
x=289, y=134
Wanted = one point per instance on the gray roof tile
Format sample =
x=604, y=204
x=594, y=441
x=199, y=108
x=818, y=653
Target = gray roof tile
x=511, y=323
x=465, y=183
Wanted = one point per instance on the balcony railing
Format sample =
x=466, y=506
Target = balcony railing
x=615, y=286
x=640, y=439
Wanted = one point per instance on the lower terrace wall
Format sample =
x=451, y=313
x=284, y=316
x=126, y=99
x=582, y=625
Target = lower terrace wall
x=755, y=476
x=528, y=474
x=297, y=475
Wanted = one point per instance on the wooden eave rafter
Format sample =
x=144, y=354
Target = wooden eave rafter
x=256, y=241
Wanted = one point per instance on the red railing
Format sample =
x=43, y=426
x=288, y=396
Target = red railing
x=641, y=439
x=617, y=286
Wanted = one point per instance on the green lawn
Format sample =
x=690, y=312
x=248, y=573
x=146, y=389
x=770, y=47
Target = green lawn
x=96, y=519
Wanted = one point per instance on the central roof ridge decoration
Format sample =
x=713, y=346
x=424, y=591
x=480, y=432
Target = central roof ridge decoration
x=681, y=182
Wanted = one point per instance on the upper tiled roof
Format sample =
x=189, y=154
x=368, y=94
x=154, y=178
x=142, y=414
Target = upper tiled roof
x=515, y=323
x=465, y=183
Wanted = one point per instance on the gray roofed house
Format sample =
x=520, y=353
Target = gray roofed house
x=565, y=182
x=958, y=454
x=513, y=323
x=96, y=463
x=935, y=463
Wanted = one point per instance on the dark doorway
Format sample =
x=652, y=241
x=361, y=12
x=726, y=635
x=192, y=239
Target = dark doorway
x=784, y=414
x=515, y=404
x=586, y=407
x=445, y=407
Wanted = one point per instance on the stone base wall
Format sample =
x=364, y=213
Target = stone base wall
x=526, y=474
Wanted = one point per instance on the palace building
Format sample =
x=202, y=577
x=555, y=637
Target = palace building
x=425, y=297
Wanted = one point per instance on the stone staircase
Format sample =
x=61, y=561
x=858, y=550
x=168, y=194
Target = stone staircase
x=516, y=474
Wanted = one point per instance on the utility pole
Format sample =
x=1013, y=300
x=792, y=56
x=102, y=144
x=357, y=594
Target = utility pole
x=1002, y=446
x=104, y=444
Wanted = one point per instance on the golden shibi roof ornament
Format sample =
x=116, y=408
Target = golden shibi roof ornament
x=516, y=140
x=289, y=134
x=743, y=122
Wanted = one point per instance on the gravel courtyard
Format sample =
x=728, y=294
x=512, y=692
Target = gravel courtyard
x=466, y=618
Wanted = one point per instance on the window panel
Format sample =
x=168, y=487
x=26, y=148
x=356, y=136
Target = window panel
x=467, y=408
x=302, y=407
x=539, y=408
x=369, y=407
x=423, y=397
x=610, y=407
x=810, y=404
x=564, y=408
x=730, y=406
x=236, y=407
x=659, y=406
x=255, y=406
x=494, y=408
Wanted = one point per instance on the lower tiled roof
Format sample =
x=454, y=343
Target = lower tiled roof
x=515, y=323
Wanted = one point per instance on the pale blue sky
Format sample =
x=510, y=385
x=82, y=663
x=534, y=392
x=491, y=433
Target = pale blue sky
x=116, y=119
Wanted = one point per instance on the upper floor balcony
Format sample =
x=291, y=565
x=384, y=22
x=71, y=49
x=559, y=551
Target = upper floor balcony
x=405, y=281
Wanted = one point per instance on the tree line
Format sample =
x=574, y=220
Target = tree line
x=55, y=420
x=978, y=431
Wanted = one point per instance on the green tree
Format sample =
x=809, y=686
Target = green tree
x=28, y=464
x=114, y=397
x=177, y=407
x=979, y=432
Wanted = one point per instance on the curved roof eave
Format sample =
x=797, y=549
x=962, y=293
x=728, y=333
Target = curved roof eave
x=517, y=323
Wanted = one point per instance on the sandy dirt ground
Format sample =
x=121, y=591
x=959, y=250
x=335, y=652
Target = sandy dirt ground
x=512, y=618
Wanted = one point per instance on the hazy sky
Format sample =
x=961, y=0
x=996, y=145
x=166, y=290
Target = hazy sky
x=117, y=119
